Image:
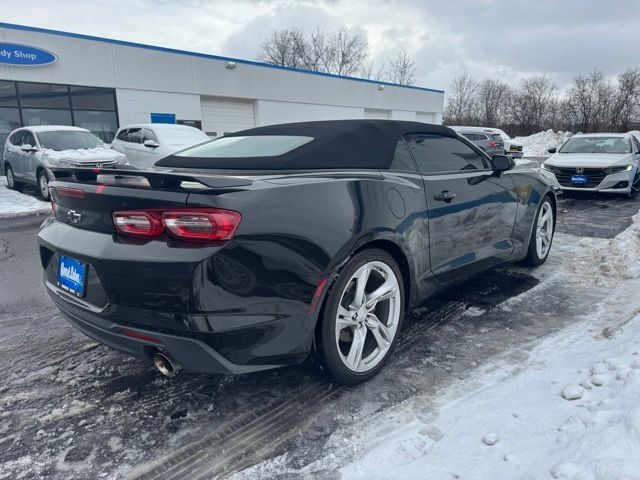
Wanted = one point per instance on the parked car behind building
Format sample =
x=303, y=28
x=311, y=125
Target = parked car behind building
x=146, y=143
x=30, y=152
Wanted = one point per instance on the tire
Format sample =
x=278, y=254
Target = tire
x=43, y=185
x=541, y=238
x=356, y=347
x=635, y=185
x=11, y=179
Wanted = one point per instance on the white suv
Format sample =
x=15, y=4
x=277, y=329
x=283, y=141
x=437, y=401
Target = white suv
x=146, y=143
x=30, y=152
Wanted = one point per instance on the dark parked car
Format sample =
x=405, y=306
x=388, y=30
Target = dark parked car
x=253, y=251
x=490, y=143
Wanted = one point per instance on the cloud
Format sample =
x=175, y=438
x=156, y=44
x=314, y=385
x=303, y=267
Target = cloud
x=508, y=39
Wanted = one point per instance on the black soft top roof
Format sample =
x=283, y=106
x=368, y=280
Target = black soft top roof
x=337, y=144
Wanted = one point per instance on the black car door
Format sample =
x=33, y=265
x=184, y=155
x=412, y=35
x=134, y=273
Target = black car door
x=471, y=210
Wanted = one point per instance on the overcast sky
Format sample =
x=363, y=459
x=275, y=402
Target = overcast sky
x=506, y=39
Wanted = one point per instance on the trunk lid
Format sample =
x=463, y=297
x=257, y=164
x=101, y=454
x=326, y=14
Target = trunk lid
x=87, y=197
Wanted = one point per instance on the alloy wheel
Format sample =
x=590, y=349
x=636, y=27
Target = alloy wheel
x=10, y=179
x=368, y=316
x=635, y=185
x=43, y=183
x=544, y=230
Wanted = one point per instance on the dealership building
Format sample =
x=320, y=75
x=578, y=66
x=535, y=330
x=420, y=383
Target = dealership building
x=60, y=78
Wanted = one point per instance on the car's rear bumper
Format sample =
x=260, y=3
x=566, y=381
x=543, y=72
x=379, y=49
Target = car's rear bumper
x=192, y=354
x=515, y=154
x=224, y=307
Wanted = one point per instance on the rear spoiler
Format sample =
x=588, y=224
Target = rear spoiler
x=148, y=179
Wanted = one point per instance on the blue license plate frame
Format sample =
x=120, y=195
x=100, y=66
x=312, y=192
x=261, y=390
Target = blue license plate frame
x=72, y=275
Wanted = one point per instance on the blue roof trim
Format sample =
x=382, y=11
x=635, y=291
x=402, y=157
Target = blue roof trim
x=81, y=36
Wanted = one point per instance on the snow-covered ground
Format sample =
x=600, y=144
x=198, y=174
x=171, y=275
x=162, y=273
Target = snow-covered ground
x=569, y=410
x=536, y=145
x=14, y=204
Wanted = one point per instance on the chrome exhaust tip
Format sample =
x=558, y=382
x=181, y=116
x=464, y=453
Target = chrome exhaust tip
x=166, y=365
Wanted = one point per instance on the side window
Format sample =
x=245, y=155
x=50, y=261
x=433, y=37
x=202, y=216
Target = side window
x=148, y=135
x=28, y=139
x=402, y=160
x=636, y=144
x=437, y=153
x=472, y=136
x=134, y=135
x=16, y=138
x=122, y=135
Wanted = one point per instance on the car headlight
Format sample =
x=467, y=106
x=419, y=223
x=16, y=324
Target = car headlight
x=122, y=161
x=550, y=168
x=61, y=162
x=624, y=168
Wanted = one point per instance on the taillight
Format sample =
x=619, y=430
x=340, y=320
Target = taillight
x=198, y=225
x=138, y=223
x=210, y=225
x=493, y=144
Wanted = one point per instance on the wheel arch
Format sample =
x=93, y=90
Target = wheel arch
x=385, y=244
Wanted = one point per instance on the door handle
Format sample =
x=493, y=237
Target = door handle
x=444, y=196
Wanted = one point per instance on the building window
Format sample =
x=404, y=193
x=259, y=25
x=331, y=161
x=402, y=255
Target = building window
x=46, y=116
x=103, y=124
x=8, y=97
x=91, y=98
x=44, y=95
x=9, y=121
x=31, y=103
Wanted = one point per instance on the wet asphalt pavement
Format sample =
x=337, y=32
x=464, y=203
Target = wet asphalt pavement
x=70, y=408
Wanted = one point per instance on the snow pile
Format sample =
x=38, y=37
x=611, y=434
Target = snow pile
x=14, y=204
x=621, y=258
x=538, y=424
x=536, y=145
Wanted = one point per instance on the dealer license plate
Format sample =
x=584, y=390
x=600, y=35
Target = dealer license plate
x=72, y=275
x=579, y=179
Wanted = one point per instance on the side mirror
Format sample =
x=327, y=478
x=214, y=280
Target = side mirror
x=151, y=144
x=27, y=148
x=552, y=150
x=502, y=163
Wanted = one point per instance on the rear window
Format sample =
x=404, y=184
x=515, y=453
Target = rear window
x=182, y=135
x=497, y=137
x=246, y=147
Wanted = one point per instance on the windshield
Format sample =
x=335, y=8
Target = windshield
x=182, y=135
x=68, y=140
x=244, y=147
x=597, y=145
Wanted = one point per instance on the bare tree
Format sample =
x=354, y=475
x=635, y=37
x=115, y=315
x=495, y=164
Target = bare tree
x=531, y=103
x=343, y=52
x=493, y=97
x=461, y=108
x=402, y=70
x=625, y=108
x=346, y=52
x=371, y=72
x=283, y=48
x=588, y=102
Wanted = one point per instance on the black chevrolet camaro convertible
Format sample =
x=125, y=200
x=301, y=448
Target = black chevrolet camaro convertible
x=257, y=249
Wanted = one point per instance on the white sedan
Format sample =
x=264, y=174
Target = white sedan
x=146, y=143
x=598, y=162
